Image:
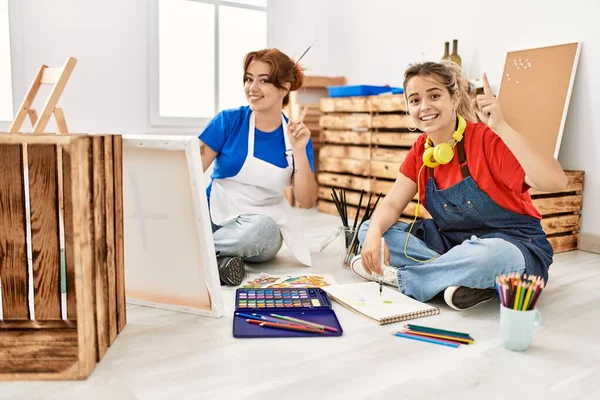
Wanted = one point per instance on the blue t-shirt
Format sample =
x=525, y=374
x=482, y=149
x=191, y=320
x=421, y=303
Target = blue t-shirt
x=227, y=135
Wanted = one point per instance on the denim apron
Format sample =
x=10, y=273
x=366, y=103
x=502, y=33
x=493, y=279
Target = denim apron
x=464, y=210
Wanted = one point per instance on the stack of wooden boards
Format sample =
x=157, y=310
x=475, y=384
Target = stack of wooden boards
x=309, y=95
x=364, y=140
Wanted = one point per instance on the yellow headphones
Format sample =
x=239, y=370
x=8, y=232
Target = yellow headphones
x=443, y=152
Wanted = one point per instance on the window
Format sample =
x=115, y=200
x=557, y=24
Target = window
x=6, y=86
x=196, y=53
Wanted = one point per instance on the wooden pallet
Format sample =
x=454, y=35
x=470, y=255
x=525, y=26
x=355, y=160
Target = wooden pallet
x=312, y=91
x=47, y=346
x=364, y=140
x=560, y=211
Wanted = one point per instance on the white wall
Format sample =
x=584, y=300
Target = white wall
x=372, y=42
x=368, y=41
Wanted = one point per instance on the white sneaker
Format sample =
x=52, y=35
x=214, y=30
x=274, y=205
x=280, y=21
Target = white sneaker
x=390, y=274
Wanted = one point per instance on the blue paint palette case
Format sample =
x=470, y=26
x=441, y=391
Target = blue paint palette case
x=259, y=313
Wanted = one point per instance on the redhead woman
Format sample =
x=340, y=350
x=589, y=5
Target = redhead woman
x=257, y=153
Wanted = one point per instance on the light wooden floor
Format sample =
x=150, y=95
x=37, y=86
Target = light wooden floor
x=168, y=355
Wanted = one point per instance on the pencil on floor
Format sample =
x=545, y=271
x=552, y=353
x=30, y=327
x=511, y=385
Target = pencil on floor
x=427, y=340
x=438, y=331
x=458, y=339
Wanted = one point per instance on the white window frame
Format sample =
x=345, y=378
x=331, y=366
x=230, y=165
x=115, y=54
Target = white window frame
x=15, y=21
x=154, y=117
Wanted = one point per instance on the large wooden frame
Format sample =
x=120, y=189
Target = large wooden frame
x=169, y=251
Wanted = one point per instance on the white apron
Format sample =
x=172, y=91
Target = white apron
x=258, y=189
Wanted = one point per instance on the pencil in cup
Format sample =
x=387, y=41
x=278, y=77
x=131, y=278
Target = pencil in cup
x=520, y=293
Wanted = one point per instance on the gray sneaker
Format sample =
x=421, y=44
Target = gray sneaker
x=231, y=270
x=462, y=297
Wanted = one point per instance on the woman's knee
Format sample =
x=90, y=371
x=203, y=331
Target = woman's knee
x=263, y=231
x=493, y=251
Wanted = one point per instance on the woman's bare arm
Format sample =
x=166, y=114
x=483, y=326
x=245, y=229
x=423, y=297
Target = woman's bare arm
x=208, y=155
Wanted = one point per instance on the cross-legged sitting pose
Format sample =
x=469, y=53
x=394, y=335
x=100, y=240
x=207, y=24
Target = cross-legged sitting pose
x=473, y=178
x=257, y=153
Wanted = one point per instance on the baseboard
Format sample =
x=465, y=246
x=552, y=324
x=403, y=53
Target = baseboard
x=589, y=242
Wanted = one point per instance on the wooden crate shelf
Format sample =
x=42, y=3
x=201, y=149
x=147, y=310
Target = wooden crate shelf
x=57, y=343
x=310, y=94
x=364, y=140
x=384, y=103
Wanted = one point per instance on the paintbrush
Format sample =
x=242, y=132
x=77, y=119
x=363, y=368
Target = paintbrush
x=382, y=259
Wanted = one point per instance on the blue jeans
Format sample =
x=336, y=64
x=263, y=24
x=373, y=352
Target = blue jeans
x=255, y=238
x=474, y=263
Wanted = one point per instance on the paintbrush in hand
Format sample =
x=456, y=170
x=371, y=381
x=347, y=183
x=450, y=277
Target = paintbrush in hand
x=382, y=258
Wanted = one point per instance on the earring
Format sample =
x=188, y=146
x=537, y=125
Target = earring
x=410, y=128
x=454, y=114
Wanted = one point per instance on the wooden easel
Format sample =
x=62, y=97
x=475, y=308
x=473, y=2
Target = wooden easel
x=58, y=77
x=49, y=76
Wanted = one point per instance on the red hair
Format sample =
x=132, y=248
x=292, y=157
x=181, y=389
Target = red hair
x=283, y=69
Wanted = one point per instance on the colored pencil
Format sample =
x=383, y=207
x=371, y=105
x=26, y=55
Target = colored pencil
x=257, y=317
x=527, y=297
x=423, y=339
x=444, y=337
x=499, y=290
x=519, y=293
x=266, y=324
x=535, y=300
x=286, y=318
x=436, y=337
x=248, y=316
x=517, y=297
x=437, y=331
x=266, y=318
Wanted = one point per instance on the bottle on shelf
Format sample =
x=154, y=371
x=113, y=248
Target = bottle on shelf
x=446, y=51
x=454, y=56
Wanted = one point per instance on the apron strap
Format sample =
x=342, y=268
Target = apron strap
x=462, y=161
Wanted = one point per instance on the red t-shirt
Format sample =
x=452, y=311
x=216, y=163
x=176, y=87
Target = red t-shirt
x=491, y=164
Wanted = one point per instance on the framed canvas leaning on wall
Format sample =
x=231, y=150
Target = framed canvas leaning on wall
x=170, y=260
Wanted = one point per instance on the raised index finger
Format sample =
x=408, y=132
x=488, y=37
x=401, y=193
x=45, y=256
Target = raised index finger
x=302, y=115
x=486, y=86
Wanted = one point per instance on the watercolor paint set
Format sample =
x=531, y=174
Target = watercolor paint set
x=284, y=312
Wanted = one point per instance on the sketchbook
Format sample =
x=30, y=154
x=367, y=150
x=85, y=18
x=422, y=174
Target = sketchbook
x=391, y=307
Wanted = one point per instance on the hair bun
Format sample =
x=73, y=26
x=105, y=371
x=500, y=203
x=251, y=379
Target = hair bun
x=298, y=77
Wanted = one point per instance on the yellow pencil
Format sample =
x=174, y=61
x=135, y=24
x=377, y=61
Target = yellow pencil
x=517, y=297
x=434, y=335
x=527, y=297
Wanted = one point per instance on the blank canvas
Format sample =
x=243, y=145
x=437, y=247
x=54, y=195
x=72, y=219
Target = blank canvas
x=170, y=260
